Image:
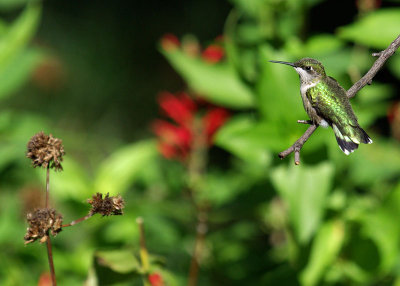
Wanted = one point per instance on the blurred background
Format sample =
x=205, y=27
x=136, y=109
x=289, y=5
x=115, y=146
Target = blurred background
x=173, y=105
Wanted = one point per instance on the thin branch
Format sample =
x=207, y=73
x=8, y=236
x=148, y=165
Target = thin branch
x=366, y=79
x=78, y=220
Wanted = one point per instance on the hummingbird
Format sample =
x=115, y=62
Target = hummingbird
x=327, y=104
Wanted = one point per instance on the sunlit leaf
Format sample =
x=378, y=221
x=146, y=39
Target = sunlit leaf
x=117, y=172
x=325, y=248
x=377, y=29
x=239, y=137
x=19, y=34
x=72, y=182
x=18, y=71
x=218, y=83
x=278, y=90
x=122, y=261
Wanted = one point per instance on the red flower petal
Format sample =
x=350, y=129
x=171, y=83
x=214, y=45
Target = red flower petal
x=213, y=53
x=155, y=279
x=174, y=141
x=170, y=42
x=178, y=107
x=213, y=120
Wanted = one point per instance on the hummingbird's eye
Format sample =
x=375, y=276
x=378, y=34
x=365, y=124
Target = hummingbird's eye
x=308, y=68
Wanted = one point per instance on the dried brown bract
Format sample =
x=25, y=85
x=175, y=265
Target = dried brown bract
x=45, y=151
x=107, y=206
x=41, y=223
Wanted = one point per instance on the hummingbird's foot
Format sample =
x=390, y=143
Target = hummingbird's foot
x=305, y=122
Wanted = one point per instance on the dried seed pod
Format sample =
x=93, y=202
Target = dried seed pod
x=107, y=205
x=41, y=223
x=45, y=151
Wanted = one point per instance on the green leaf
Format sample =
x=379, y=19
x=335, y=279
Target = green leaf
x=117, y=172
x=218, y=83
x=377, y=29
x=278, y=90
x=380, y=159
x=323, y=44
x=19, y=34
x=12, y=4
x=121, y=261
x=18, y=71
x=72, y=183
x=384, y=230
x=305, y=190
x=240, y=137
x=394, y=64
x=325, y=249
x=222, y=187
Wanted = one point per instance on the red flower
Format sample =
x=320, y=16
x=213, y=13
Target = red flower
x=155, y=279
x=175, y=139
x=170, y=42
x=213, y=53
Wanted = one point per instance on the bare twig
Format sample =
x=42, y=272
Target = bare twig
x=366, y=79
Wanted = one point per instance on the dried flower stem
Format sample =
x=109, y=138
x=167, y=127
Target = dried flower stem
x=366, y=79
x=197, y=163
x=78, y=220
x=144, y=255
x=48, y=242
x=47, y=187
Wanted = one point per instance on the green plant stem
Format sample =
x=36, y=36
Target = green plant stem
x=48, y=242
x=196, y=168
x=144, y=255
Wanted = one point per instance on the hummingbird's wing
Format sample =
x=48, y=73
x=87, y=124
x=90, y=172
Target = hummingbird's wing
x=330, y=102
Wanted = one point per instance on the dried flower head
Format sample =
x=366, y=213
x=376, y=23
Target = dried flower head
x=45, y=151
x=41, y=223
x=107, y=206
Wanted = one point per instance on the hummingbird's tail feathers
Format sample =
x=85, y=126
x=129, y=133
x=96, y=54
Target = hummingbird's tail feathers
x=364, y=136
x=349, y=141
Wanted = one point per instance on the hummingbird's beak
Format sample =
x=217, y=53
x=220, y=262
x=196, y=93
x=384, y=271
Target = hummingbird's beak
x=285, y=63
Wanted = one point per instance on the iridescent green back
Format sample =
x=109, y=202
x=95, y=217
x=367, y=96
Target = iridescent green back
x=331, y=102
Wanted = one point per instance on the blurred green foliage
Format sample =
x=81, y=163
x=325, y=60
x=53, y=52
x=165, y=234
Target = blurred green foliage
x=333, y=220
